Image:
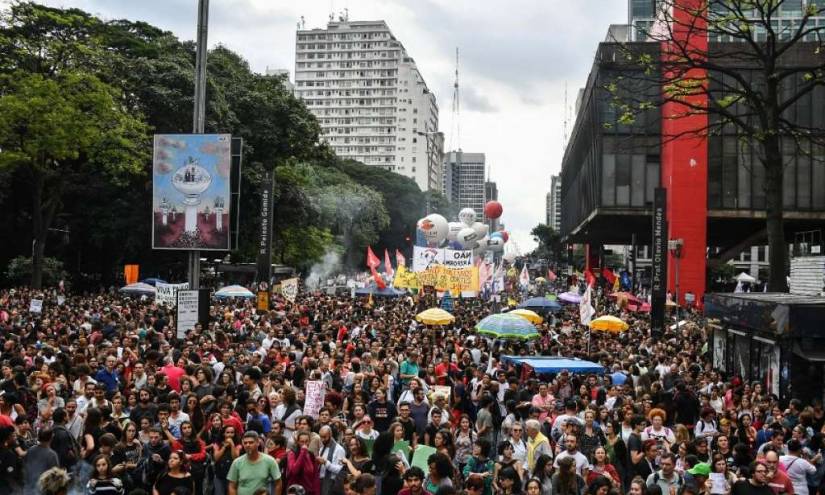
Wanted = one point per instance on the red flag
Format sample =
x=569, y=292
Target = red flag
x=608, y=274
x=589, y=277
x=399, y=259
x=372, y=260
x=551, y=276
x=387, y=264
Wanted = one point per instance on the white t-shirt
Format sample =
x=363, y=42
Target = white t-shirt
x=797, y=469
x=581, y=461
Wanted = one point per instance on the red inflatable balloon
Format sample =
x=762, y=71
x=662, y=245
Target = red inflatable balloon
x=504, y=235
x=493, y=209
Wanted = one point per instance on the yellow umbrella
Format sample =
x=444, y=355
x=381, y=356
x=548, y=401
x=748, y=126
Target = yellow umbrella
x=435, y=316
x=608, y=324
x=541, y=280
x=528, y=315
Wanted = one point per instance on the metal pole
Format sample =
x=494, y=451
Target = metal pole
x=199, y=117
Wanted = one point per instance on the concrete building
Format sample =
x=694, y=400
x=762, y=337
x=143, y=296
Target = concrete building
x=464, y=183
x=554, y=203
x=370, y=99
x=282, y=73
x=641, y=16
x=490, y=194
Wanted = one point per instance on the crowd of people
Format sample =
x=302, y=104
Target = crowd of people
x=99, y=395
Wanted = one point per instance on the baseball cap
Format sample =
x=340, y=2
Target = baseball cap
x=700, y=469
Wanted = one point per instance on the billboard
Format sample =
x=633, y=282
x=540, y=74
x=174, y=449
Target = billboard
x=427, y=257
x=191, y=193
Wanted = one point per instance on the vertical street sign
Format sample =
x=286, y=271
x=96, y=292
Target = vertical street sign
x=658, y=281
x=264, y=271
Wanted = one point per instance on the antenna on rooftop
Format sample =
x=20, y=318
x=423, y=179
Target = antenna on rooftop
x=564, y=135
x=456, y=124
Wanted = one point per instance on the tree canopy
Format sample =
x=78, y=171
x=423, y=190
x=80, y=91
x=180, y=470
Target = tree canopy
x=80, y=99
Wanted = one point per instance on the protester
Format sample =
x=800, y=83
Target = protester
x=177, y=402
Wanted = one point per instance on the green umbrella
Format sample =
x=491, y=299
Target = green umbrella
x=507, y=326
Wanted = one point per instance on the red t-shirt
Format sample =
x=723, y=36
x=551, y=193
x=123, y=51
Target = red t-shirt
x=173, y=374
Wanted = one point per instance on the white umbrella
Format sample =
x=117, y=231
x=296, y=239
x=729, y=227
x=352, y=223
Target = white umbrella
x=139, y=289
x=744, y=277
x=234, y=291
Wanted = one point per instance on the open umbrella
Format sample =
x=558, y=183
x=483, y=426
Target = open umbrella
x=540, y=280
x=540, y=305
x=507, y=326
x=234, y=291
x=435, y=316
x=138, y=289
x=626, y=296
x=570, y=298
x=528, y=315
x=608, y=324
x=153, y=281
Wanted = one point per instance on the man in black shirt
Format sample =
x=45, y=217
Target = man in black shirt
x=757, y=484
x=11, y=466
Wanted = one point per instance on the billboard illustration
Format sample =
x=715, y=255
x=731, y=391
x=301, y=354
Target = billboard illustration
x=191, y=191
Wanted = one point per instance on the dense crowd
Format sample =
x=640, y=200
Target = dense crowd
x=98, y=395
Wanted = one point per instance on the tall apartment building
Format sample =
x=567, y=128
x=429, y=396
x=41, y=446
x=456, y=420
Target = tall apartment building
x=370, y=99
x=554, y=203
x=464, y=180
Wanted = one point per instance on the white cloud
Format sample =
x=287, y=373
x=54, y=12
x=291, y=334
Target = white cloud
x=516, y=57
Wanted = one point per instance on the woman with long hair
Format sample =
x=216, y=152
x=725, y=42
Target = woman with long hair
x=145, y=425
x=566, y=481
x=637, y=487
x=601, y=467
x=533, y=487
x=92, y=432
x=509, y=482
x=543, y=472
x=599, y=486
x=176, y=476
x=464, y=438
x=224, y=451
x=127, y=454
x=357, y=461
x=192, y=407
x=443, y=442
x=720, y=465
x=616, y=448
x=194, y=451
x=103, y=482
x=391, y=481
x=505, y=460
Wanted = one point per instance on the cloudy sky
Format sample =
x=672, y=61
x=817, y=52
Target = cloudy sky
x=516, y=57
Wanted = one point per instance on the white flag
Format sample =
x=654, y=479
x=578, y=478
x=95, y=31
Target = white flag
x=586, y=310
x=524, y=278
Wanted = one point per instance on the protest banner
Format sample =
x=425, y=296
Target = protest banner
x=314, y=398
x=36, y=306
x=289, y=289
x=420, y=456
x=440, y=277
x=425, y=258
x=167, y=293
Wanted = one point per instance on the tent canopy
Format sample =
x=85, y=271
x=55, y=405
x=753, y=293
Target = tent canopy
x=744, y=277
x=551, y=364
x=375, y=291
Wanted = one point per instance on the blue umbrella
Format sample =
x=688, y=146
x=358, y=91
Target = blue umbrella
x=507, y=326
x=540, y=305
x=153, y=281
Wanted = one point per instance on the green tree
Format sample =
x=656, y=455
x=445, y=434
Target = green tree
x=549, y=241
x=60, y=126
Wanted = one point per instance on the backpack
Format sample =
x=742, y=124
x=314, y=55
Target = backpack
x=73, y=454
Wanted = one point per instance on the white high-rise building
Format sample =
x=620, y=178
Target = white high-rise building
x=554, y=203
x=370, y=99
